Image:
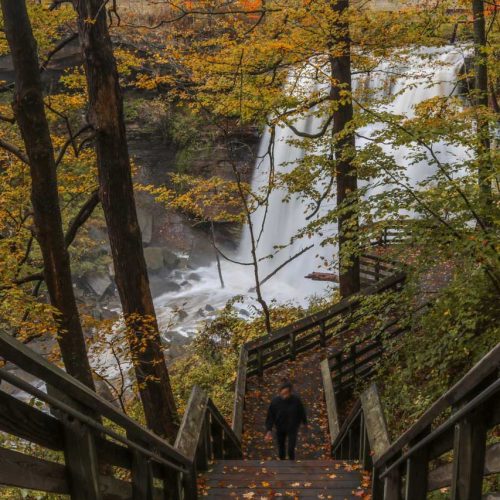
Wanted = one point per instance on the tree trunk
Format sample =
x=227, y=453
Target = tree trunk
x=481, y=100
x=344, y=146
x=117, y=198
x=30, y=115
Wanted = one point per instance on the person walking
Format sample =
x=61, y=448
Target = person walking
x=286, y=412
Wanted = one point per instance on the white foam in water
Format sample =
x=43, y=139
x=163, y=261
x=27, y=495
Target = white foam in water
x=423, y=79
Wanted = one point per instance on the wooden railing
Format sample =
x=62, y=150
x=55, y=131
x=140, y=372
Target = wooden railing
x=304, y=334
x=358, y=360
x=96, y=452
x=363, y=436
x=287, y=342
x=413, y=465
x=475, y=409
x=204, y=435
x=374, y=268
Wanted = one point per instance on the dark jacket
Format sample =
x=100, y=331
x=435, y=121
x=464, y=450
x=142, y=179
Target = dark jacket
x=286, y=414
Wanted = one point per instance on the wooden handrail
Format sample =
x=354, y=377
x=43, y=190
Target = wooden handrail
x=316, y=319
x=311, y=331
x=359, y=359
x=363, y=435
x=475, y=405
x=488, y=365
x=79, y=427
x=204, y=434
x=30, y=362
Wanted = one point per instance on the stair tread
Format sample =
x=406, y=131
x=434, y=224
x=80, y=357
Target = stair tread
x=334, y=493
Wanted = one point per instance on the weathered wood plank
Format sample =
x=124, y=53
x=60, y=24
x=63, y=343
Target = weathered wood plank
x=331, y=401
x=441, y=477
x=417, y=471
x=24, y=471
x=376, y=426
x=468, y=458
x=81, y=460
x=239, y=393
x=315, y=319
x=188, y=437
x=484, y=368
x=24, y=421
x=142, y=479
x=21, y=355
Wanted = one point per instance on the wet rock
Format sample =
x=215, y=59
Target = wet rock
x=97, y=282
x=243, y=312
x=146, y=224
x=159, y=285
x=194, y=277
x=170, y=259
x=158, y=258
x=182, y=314
x=154, y=258
x=171, y=286
x=183, y=263
x=209, y=308
x=202, y=253
x=200, y=313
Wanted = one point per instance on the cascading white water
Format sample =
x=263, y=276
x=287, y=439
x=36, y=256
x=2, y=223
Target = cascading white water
x=424, y=78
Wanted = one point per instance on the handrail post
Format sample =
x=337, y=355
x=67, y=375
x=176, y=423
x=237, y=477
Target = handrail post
x=80, y=453
x=293, y=350
x=468, y=457
x=239, y=393
x=330, y=400
x=378, y=437
x=260, y=362
x=322, y=334
x=417, y=470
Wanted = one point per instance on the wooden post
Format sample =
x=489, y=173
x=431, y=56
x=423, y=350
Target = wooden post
x=392, y=485
x=377, y=271
x=190, y=485
x=353, y=357
x=417, y=470
x=376, y=425
x=81, y=460
x=322, y=334
x=330, y=400
x=239, y=393
x=292, y=346
x=142, y=479
x=172, y=485
x=208, y=436
x=468, y=457
x=217, y=440
x=79, y=451
x=338, y=359
x=377, y=485
x=260, y=362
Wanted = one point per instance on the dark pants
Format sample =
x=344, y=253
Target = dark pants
x=283, y=436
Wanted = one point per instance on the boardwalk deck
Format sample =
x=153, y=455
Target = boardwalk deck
x=305, y=374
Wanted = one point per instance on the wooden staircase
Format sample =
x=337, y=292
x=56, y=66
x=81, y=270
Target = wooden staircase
x=239, y=479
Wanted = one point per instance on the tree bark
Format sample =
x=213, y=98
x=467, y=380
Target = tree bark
x=30, y=115
x=117, y=199
x=344, y=147
x=485, y=168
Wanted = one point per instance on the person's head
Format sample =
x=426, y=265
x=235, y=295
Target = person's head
x=285, y=389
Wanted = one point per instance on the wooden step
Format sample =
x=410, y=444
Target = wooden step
x=239, y=479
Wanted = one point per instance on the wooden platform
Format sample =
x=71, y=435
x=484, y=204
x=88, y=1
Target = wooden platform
x=261, y=479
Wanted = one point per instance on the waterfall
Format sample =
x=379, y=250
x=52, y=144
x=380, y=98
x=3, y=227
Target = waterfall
x=430, y=73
